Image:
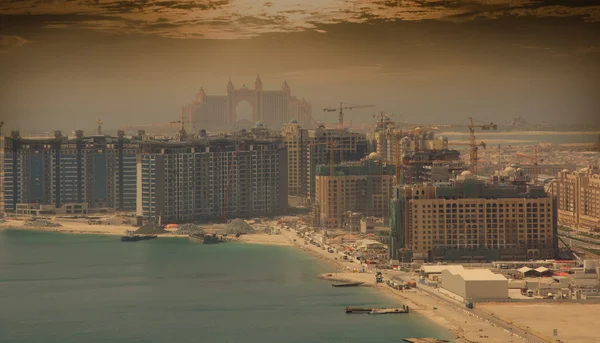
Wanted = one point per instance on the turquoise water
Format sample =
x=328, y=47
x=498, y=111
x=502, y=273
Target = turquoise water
x=86, y=288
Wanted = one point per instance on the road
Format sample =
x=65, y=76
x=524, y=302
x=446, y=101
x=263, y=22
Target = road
x=482, y=315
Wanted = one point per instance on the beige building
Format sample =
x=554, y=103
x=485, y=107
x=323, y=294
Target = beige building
x=363, y=187
x=296, y=140
x=475, y=284
x=470, y=220
x=578, y=197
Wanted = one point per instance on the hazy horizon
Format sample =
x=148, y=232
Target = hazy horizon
x=64, y=66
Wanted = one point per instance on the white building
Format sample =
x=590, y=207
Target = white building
x=475, y=284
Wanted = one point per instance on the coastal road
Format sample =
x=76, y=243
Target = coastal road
x=459, y=306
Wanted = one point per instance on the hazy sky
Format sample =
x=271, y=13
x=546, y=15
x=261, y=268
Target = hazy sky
x=64, y=64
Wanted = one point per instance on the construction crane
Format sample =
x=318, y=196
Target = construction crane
x=343, y=107
x=535, y=163
x=229, y=181
x=182, y=128
x=473, y=144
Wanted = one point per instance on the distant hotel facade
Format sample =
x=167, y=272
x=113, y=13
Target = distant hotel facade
x=273, y=108
x=95, y=173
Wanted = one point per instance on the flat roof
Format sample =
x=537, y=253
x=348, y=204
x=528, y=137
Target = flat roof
x=437, y=268
x=478, y=275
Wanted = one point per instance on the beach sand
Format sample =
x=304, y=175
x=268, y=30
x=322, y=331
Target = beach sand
x=454, y=318
x=575, y=323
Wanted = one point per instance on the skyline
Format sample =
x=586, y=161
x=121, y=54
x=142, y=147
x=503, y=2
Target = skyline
x=66, y=66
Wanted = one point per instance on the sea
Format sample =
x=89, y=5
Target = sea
x=57, y=287
x=526, y=138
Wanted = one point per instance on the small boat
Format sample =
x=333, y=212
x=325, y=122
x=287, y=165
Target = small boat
x=204, y=239
x=347, y=284
x=131, y=237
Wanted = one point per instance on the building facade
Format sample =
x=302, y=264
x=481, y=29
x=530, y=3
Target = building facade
x=347, y=146
x=296, y=140
x=209, y=179
x=98, y=171
x=470, y=220
x=578, y=197
x=274, y=108
x=362, y=187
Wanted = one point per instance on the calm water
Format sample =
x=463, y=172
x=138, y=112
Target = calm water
x=527, y=139
x=80, y=288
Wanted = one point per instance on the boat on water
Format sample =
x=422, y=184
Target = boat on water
x=130, y=236
x=204, y=238
x=347, y=284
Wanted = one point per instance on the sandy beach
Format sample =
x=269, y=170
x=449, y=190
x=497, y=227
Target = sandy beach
x=466, y=328
x=452, y=316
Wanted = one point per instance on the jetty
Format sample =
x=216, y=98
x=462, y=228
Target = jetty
x=371, y=310
x=347, y=284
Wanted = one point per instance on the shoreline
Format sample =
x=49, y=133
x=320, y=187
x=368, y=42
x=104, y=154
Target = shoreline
x=464, y=327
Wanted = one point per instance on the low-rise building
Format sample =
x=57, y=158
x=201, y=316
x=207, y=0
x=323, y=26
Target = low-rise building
x=475, y=284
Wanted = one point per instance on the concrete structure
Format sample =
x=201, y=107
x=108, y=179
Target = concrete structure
x=475, y=284
x=428, y=269
x=470, y=220
x=273, y=108
x=363, y=187
x=347, y=146
x=578, y=195
x=98, y=171
x=212, y=178
x=296, y=140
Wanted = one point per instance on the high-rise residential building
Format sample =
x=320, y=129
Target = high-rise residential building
x=364, y=187
x=296, y=139
x=578, y=195
x=98, y=171
x=212, y=178
x=471, y=220
x=346, y=146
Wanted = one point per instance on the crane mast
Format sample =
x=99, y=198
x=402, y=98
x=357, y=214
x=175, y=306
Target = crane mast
x=341, y=109
x=473, y=143
x=535, y=163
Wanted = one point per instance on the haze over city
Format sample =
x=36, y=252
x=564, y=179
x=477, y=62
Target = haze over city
x=63, y=65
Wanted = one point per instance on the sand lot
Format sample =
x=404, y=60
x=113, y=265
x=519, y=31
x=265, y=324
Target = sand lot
x=576, y=323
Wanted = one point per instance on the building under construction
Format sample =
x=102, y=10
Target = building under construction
x=470, y=220
x=213, y=178
x=95, y=172
x=364, y=187
x=347, y=146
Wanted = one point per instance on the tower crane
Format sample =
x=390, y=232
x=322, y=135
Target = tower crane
x=229, y=181
x=535, y=163
x=344, y=106
x=473, y=144
x=182, y=128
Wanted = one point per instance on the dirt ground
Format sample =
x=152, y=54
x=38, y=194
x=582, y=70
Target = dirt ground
x=576, y=323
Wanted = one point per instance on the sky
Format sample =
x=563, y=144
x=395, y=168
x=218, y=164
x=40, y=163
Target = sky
x=66, y=64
